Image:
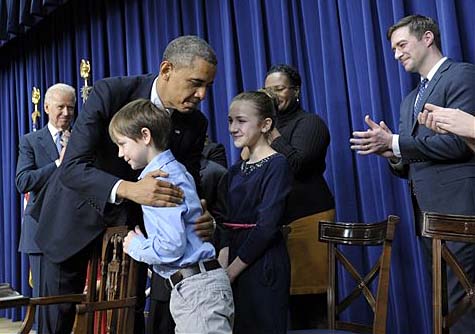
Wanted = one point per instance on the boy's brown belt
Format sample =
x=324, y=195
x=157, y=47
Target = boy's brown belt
x=192, y=270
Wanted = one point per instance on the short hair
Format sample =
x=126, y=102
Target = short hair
x=264, y=102
x=418, y=25
x=59, y=88
x=290, y=72
x=138, y=114
x=183, y=50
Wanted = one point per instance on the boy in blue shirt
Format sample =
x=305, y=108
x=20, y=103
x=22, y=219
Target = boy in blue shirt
x=201, y=298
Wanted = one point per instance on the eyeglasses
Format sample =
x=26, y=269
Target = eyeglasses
x=278, y=89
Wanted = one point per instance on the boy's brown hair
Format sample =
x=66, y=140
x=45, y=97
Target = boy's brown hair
x=138, y=114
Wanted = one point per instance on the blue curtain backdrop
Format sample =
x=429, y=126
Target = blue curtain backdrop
x=348, y=71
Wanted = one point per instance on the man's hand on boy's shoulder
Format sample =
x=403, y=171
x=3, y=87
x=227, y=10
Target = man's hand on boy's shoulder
x=205, y=224
x=151, y=191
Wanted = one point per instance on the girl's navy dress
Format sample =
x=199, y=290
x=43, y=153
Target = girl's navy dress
x=255, y=207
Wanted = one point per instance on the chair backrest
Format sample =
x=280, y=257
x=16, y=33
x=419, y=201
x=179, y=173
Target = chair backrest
x=109, y=303
x=111, y=299
x=442, y=228
x=359, y=234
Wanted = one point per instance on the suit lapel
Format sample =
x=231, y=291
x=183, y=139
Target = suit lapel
x=430, y=88
x=410, y=112
x=46, y=142
x=177, y=130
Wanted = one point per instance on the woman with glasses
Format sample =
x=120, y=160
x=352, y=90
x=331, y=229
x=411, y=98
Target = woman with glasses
x=303, y=138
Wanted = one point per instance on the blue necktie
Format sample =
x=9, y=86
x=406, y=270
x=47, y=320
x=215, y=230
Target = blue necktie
x=420, y=95
x=58, y=141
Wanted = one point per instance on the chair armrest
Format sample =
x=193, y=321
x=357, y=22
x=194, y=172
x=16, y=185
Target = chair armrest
x=88, y=307
x=31, y=310
x=60, y=299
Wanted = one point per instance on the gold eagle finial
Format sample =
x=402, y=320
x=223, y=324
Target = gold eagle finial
x=85, y=69
x=35, y=98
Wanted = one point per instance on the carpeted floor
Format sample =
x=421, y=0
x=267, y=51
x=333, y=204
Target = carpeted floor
x=9, y=327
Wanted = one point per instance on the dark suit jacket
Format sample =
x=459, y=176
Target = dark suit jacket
x=440, y=168
x=75, y=209
x=212, y=174
x=37, y=153
x=214, y=152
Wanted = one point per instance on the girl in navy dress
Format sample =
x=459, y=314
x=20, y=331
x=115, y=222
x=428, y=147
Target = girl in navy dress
x=253, y=249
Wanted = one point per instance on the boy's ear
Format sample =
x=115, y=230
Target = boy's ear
x=146, y=135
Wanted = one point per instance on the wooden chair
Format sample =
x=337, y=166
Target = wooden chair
x=357, y=234
x=39, y=301
x=441, y=228
x=32, y=303
x=109, y=302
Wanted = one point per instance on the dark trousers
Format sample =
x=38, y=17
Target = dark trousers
x=35, y=267
x=308, y=311
x=67, y=277
x=160, y=319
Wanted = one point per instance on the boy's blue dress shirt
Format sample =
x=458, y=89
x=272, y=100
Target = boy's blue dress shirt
x=172, y=242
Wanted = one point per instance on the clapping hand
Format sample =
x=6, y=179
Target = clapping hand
x=377, y=139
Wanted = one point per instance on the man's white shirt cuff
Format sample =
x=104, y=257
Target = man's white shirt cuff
x=395, y=146
x=113, y=195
